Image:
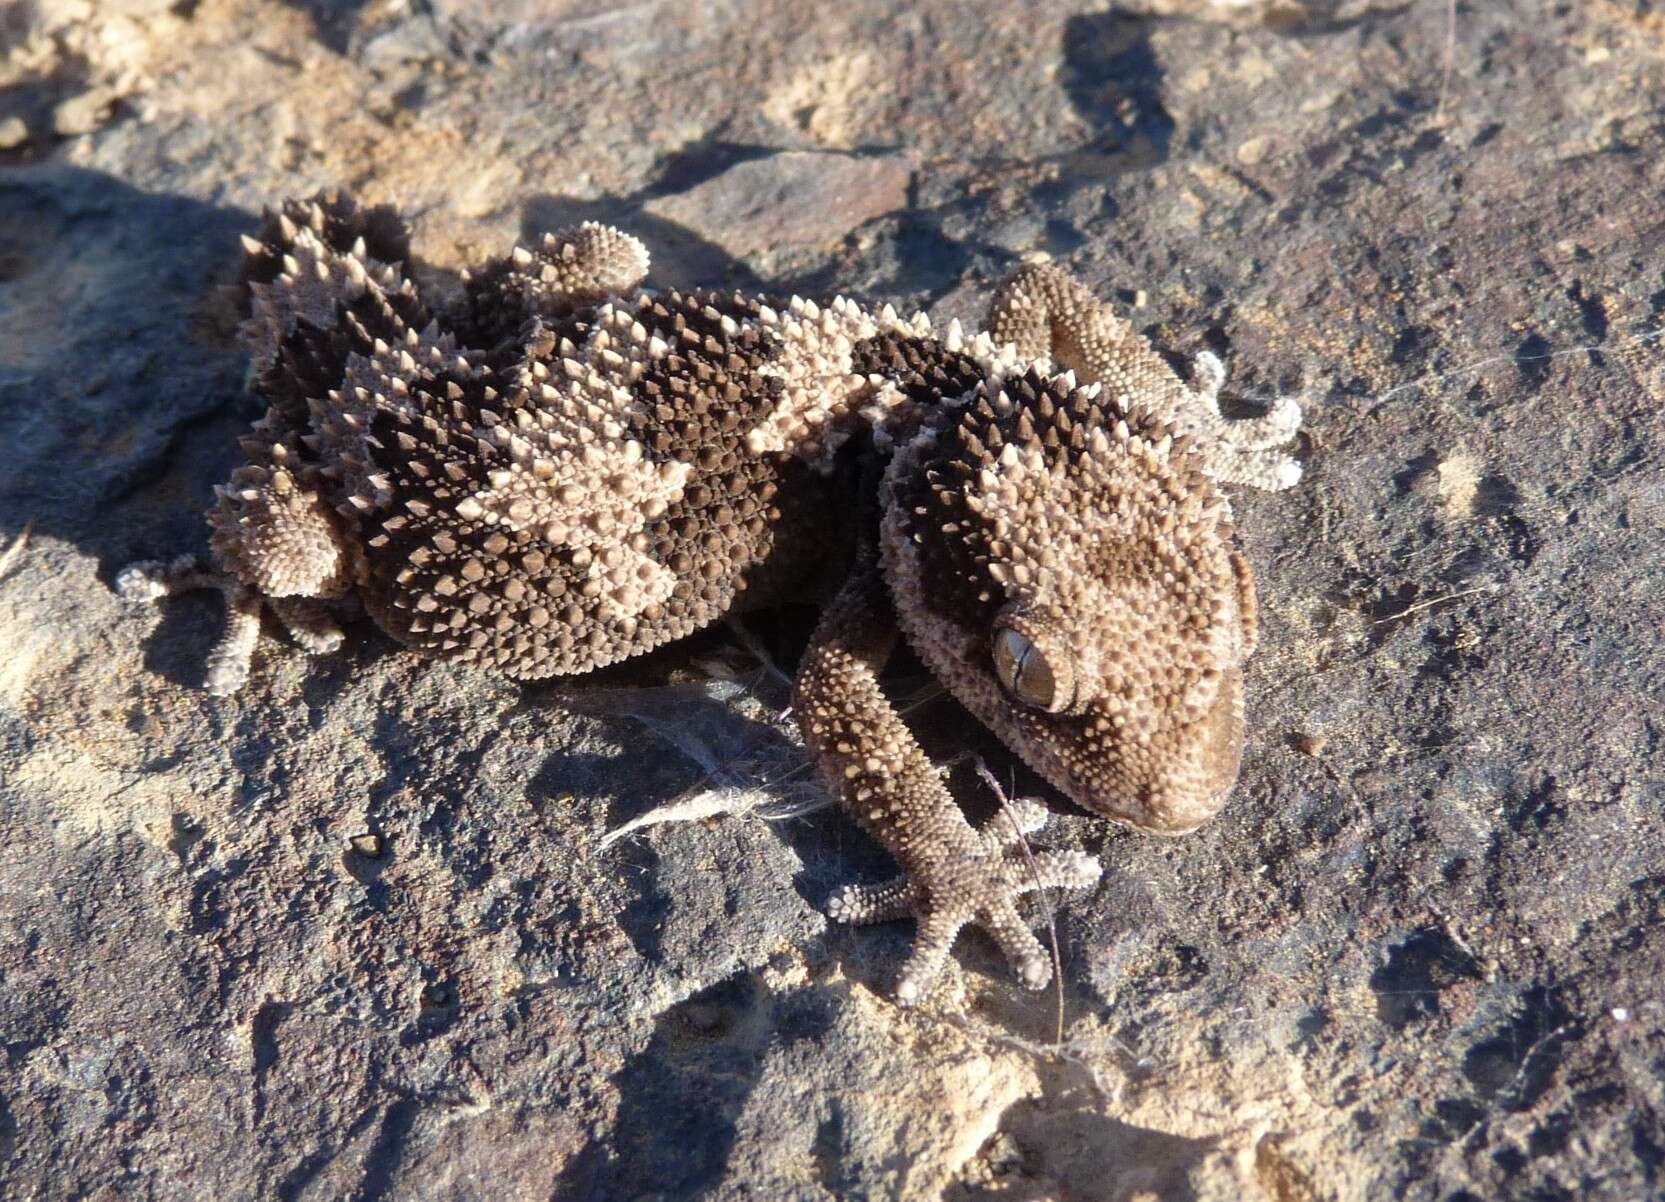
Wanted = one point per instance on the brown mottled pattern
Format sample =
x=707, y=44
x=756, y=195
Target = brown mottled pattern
x=556, y=470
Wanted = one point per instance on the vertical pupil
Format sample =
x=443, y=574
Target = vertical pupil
x=1010, y=650
x=1035, y=683
x=1024, y=670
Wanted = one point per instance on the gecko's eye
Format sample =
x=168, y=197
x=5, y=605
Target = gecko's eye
x=1026, y=673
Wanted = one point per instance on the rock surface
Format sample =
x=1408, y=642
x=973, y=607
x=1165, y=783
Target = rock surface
x=354, y=933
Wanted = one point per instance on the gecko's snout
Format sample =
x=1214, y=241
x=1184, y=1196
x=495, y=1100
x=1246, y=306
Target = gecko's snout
x=1185, y=784
x=1198, y=780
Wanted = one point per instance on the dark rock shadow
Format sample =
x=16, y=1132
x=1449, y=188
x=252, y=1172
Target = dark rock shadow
x=1065, y=1139
x=1414, y=972
x=690, y=739
x=120, y=395
x=335, y=23
x=681, y=1097
x=920, y=259
x=1113, y=80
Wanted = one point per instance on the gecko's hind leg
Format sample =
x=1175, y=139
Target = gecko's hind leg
x=230, y=659
x=1048, y=314
x=308, y=620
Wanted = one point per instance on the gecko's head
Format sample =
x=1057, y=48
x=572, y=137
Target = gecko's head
x=1067, y=571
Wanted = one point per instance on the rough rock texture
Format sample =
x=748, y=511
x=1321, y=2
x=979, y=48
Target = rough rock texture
x=353, y=933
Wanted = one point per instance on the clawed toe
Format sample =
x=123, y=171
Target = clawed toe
x=1277, y=426
x=1019, y=817
x=1249, y=458
x=1208, y=375
x=1063, y=870
x=142, y=582
x=1023, y=951
x=151, y=579
x=859, y=905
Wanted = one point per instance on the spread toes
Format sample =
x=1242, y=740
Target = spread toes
x=980, y=891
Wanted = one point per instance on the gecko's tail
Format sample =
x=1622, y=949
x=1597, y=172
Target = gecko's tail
x=313, y=255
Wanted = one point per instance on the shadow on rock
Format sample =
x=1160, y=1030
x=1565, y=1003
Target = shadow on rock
x=1111, y=76
x=115, y=359
x=681, y=1099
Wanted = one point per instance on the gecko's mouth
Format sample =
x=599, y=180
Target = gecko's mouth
x=1182, y=816
x=1155, y=812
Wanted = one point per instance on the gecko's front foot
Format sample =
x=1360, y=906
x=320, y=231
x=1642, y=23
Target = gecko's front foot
x=975, y=890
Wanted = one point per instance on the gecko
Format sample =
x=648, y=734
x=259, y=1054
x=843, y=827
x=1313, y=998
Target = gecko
x=557, y=467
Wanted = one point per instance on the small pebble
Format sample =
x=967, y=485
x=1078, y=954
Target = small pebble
x=13, y=133
x=1312, y=745
x=367, y=844
x=82, y=114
